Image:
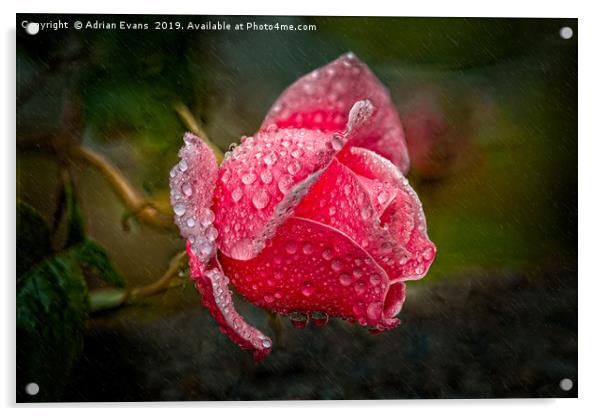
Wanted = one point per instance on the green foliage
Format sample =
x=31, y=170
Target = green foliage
x=52, y=297
x=33, y=238
x=52, y=309
x=93, y=257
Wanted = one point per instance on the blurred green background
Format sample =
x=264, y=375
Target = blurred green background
x=490, y=112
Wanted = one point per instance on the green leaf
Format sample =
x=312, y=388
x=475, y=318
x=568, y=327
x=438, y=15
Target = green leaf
x=33, y=238
x=52, y=310
x=93, y=256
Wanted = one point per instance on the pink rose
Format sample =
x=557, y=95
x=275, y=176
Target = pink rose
x=311, y=216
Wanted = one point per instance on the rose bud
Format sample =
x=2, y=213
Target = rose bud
x=311, y=217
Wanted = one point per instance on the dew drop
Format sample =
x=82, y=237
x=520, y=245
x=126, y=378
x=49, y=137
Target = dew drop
x=260, y=199
x=365, y=212
x=374, y=310
x=307, y=248
x=285, y=183
x=336, y=265
x=297, y=153
x=270, y=158
x=327, y=254
x=266, y=176
x=266, y=343
x=332, y=211
x=268, y=298
x=226, y=176
x=293, y=167
x=298, y=319
x=382, y=197
x=187, y=189
x=211, y=234
x=374, y=279
x=207, y=217
x=190, y=222
x=386, y=247
x=344, y=279
x=360, y=287
x=248, y=178
x=307, y=289
x=183, y=166
x=319, y=318
x=179, y=209
x=427, y=253
x=236, y=194
x=291, y=247
x=336, y=142
x=347, y=189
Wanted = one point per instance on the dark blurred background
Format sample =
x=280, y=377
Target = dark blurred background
x=490, y=112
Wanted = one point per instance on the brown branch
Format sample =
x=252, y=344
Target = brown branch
x=163, y=283
x=111, y=298
x=135, y=202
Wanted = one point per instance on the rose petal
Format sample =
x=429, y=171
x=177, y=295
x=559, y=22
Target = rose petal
x=332, y=256
x=322, y=100
x=265, y=177
x=192, y=182
x=217, y=298
x=310, y=267
x=402, y=215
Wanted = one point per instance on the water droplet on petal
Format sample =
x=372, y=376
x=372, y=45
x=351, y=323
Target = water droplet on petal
x=179, y=209
x=270, y=158
x=344, y=279
x=374, y=310
x=386, y=247
x=268, y=298
x=293, y=167
x=183, y=166
x=307, y=248
x=207, y=217
x=190, y=222
x=291, y=247
x=336, y=265
x=285, y=183
x=336, y=142
x=260, y=198
x=332, y=211
x=266, y=343
x=327, y=254
x=360, y=287
x=266, y=176
x=236, y=194
x=307, y=289
x=186, y=189
x=375, y=279
x=248, y=178
x=211, y=234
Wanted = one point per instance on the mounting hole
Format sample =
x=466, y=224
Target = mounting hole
x=566, y=32
x=32, y=389
x=32, y=28
x=566, y=384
